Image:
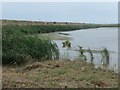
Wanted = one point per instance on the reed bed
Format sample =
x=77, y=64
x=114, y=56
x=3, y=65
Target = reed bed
x=19, y=49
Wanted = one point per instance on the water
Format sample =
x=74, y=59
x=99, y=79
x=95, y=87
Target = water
x=95, y=39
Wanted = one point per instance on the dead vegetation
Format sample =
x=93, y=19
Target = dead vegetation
x=58, y=74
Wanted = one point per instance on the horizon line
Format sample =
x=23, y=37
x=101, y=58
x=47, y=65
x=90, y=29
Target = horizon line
x=55, y=21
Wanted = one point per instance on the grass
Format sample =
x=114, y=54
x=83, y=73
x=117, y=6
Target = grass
x=58, y=74
x=29, y=60
x=19, y=49
x=105, y=56
x=37, y=29
x=29, y=27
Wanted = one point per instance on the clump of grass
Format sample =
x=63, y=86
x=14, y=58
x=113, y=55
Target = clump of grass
x=82, y=56
x=18, y=48
x=105, y=56
x=91, y=55
x=81, y=50
x=66, y=44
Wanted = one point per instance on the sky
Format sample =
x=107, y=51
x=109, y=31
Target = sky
x=83, y=12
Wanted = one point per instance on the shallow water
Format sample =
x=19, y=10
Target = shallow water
x=95, y=39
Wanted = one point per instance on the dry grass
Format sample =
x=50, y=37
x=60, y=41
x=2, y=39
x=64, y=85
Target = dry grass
x=58, y=74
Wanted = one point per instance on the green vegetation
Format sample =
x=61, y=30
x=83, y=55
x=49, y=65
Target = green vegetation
x=81, y=50
x=105, y=56
x=20, y=41
x=37, y=59
x=104, y=53
x=91, y=55
x=18, y=48
x=66, y=44
x=37, y=29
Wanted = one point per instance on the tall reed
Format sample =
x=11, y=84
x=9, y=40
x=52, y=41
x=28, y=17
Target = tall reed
x=81, y=50
x=91, y=55
x=105, y=56
x=18, y=48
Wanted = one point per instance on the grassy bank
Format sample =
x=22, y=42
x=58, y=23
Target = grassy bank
x=58, y=74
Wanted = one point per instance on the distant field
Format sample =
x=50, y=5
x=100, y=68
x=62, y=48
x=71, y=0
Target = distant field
x=32, y=27
x=29, y=27
x=22, y=22
x=17, y=22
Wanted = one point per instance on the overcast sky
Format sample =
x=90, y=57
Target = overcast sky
x=97, y=12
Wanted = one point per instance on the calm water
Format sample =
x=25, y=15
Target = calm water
x=96, y=39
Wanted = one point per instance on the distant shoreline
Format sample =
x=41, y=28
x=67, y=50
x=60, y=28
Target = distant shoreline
x=25, y=22
x=33, y=27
